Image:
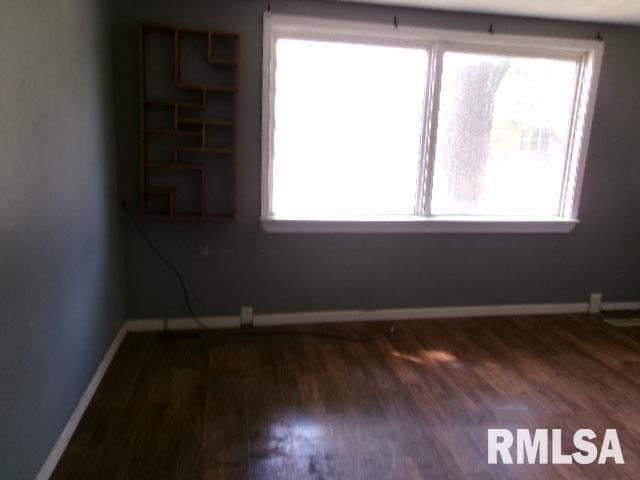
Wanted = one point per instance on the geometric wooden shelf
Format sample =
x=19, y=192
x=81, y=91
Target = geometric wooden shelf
x=188, y=81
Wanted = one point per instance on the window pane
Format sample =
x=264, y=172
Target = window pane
x=348, y=125
x=503, y=130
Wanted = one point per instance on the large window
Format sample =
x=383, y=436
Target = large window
x=376, y=128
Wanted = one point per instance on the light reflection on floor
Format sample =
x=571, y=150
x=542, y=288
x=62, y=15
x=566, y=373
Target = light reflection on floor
x=427, y=357
x=329, y=449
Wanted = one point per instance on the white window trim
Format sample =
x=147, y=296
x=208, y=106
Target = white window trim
x=589, y=51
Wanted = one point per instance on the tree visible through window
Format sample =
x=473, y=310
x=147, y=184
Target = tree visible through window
x=369, y=125
x=486, y=103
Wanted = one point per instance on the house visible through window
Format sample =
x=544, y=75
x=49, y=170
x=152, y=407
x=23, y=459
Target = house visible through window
x=415, y=129
x=535, y=139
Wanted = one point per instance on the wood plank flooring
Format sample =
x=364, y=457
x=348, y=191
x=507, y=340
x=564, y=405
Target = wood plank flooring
x=414, y=403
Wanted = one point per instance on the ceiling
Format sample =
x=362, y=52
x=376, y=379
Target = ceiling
x=600, y=11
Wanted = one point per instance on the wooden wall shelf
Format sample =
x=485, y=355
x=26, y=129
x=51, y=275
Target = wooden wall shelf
x=188, y=81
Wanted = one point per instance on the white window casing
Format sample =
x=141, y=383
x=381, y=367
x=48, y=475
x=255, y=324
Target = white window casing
x=587, y=55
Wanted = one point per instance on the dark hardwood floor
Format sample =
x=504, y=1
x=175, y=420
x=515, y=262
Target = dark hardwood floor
x=412, y=403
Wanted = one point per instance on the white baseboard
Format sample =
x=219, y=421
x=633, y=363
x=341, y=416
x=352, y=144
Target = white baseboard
x=395, y=314
x=61, y=444
x=416, y=313
x=620, y=306
x=181, y=323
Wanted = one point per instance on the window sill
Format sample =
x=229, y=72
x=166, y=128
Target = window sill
x=415, y=224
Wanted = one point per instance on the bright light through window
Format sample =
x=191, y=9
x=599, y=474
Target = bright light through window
x=439, y=130
x=347, y=130
x=487, y=104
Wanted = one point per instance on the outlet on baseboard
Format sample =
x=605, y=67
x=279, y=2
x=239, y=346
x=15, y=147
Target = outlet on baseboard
x=246, y=316
x=595, y=303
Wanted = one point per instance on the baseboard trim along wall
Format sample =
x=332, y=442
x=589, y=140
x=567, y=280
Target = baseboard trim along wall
x=63, y=440
x=620, y=306
x=395, y=314
x=186, y=323
x=293, y=318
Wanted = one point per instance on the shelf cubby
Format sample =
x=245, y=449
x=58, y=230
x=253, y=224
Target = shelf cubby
x=188, y=112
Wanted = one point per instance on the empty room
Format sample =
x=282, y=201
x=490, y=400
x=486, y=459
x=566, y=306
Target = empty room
x=319, y=239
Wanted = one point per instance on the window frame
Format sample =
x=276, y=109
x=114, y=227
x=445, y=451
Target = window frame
x=588, y=54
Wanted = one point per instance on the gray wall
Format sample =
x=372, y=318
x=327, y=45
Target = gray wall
x=60, y=258
x=226, y=266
